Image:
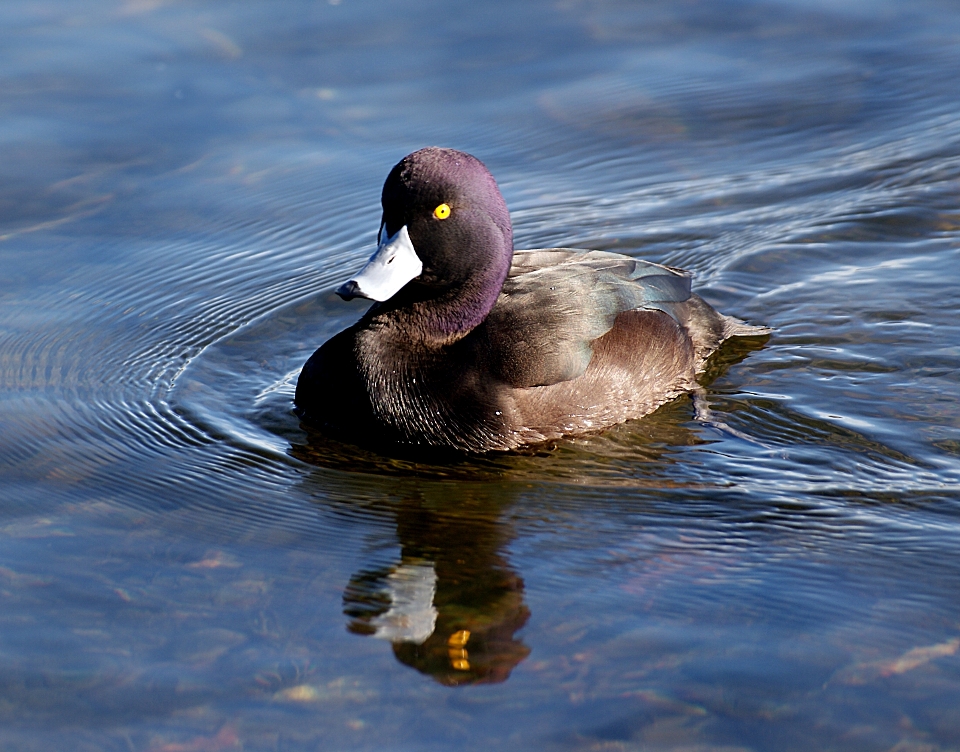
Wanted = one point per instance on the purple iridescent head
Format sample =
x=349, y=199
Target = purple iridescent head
x=445, y=234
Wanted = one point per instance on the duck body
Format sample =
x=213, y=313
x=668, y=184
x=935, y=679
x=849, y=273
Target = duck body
x=477, y=348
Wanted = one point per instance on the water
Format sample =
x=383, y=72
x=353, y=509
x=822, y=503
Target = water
x=184, y=568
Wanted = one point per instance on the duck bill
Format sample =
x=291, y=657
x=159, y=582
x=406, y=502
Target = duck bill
x=393, y=265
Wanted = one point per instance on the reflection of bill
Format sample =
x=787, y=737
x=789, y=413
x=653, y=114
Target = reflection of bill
x=455, y=626
x=411, y=616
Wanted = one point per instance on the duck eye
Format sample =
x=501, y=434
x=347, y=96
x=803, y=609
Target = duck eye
x=442, y=211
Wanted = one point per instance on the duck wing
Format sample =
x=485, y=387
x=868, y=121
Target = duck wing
x=556, y=303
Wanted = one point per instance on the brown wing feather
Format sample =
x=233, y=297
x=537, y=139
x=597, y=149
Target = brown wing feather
x=645, y=360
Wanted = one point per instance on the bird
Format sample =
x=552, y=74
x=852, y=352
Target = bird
x=474, y=347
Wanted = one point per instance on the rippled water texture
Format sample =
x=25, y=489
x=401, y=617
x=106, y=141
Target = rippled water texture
x=184, y=568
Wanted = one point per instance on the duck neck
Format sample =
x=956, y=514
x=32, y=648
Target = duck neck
x=439, y=319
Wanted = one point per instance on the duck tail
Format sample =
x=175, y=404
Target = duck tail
x=733, y=327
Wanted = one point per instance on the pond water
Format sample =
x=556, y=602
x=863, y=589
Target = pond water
x=184, y=568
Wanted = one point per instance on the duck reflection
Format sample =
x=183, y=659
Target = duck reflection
x=452, y=606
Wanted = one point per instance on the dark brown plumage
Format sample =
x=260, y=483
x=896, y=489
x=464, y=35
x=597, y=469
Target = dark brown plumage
x=482, y=349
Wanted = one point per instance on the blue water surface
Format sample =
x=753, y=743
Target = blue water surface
x=184, y=568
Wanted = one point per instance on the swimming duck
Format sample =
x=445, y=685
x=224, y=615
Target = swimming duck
x=473, y=346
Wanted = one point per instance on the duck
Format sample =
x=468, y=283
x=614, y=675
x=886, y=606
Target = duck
x=472, y=346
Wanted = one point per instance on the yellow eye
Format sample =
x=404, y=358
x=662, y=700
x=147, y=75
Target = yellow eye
x=442, y=211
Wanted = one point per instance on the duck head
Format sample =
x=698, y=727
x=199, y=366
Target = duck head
x=445, y=240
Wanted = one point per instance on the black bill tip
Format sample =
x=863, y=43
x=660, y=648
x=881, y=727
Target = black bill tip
x=349, y=290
